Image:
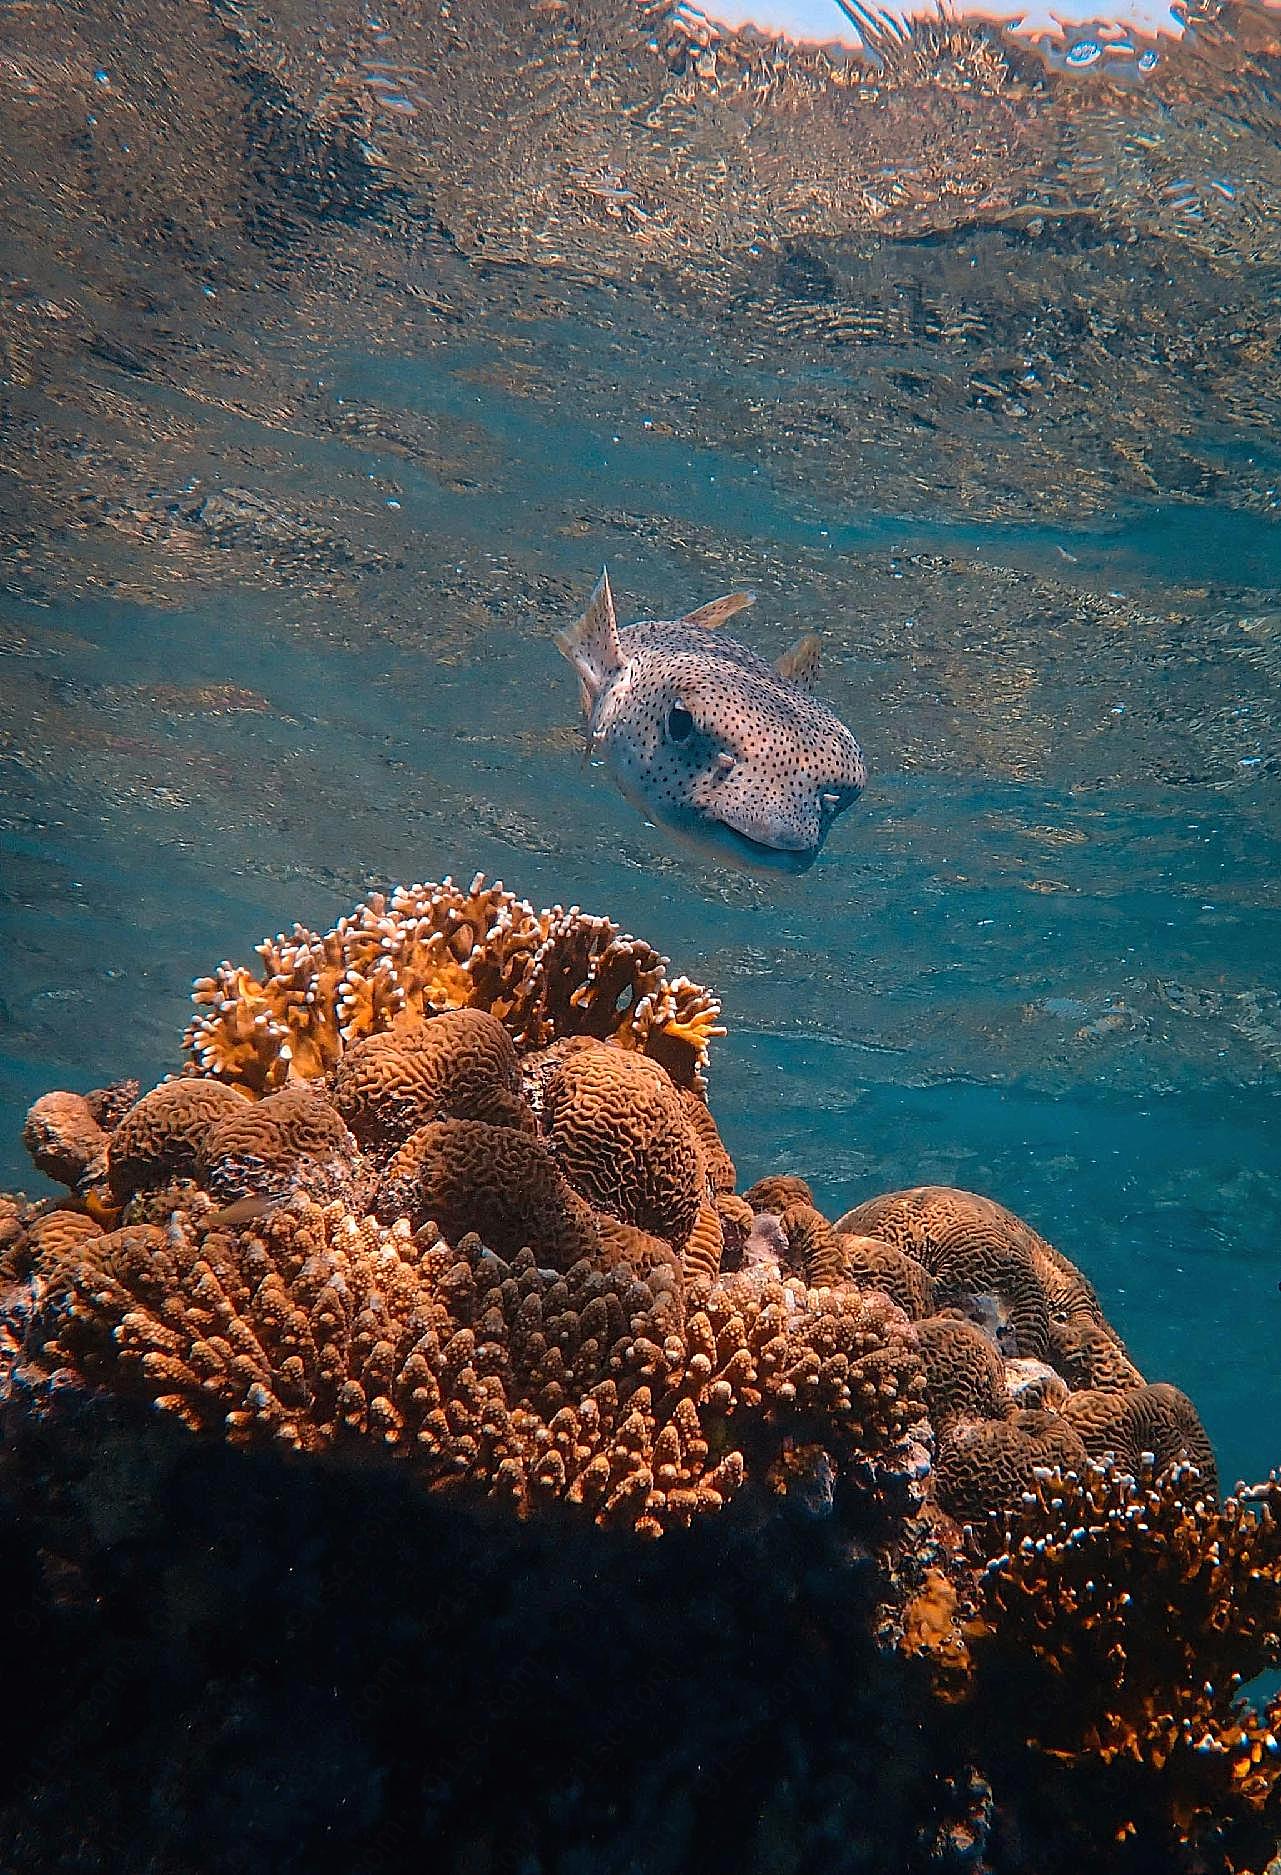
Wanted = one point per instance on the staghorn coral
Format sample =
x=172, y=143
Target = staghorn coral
x=617, y=1129
x=1127, y=1611
x=423, y=949
x=459, y=1065
x=600, y=1157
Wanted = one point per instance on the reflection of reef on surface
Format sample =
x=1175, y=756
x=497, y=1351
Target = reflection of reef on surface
x=258, y=177
x=909, y=1503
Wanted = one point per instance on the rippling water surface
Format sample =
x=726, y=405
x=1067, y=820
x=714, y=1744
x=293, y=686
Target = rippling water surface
x=327, y=394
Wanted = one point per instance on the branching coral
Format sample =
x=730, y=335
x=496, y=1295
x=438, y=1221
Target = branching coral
x=1126, y=1611
x=427, y=948
x=590, y=1385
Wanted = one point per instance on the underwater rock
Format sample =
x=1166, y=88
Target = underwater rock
x=911, y=1431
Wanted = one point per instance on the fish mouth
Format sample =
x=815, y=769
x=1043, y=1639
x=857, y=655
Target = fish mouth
x=717, y=839
x=756, y=856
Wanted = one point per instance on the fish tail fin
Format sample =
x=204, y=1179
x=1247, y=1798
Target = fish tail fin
x=592, y=645
x=716, y=611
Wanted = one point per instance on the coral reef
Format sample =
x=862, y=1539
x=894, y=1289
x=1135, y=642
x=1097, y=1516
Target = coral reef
x=462, y=1204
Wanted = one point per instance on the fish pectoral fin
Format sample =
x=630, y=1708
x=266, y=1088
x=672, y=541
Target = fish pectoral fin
x=716, y=611
x=799, y=665
x=592, y=645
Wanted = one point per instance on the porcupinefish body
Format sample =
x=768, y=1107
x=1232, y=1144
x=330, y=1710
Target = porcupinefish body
x=710, y=741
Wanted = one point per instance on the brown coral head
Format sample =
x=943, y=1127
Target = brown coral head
x=778, y=1193
x=503, y=1185
x=874, y=1264
x=49, y=1236
x=268, y=1147
x=964, y=1373
x=64, y=1136
x=721, y=1174
x=617, y=1128
x=985, y=1466
x=1089, y=1356
x=813, y=1247
x=1154, y=1425
x=161, y=1136
x=458, y=1065
x=1035, y=1386
x=736, y=1220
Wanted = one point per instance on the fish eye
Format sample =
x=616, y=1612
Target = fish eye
x=680, y=724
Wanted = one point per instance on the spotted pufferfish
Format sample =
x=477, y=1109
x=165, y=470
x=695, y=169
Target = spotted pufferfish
x=710, y=741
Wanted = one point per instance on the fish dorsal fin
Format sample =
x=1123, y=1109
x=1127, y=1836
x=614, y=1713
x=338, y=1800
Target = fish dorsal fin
x=799, y=665
x=592, y=645
x=716, y=611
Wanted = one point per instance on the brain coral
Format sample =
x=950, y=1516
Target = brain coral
x=266, y=1146
x=467, y=1176
x=619, y=1132
x=160, y=1137
x=460, y=1065
x=878, y=1265
x=987, y=1464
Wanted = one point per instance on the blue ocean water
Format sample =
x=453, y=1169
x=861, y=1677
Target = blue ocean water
x=328, y=416
x=1039, y=960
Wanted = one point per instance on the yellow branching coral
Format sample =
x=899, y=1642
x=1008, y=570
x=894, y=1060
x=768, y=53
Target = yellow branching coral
x=421, y=949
